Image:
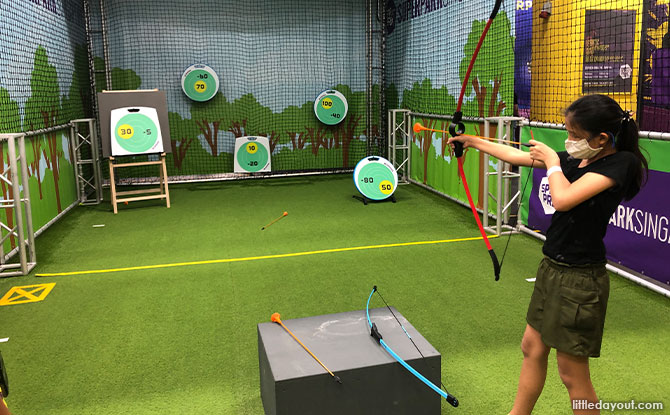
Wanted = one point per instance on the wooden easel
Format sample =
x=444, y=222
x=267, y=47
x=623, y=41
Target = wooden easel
x=148, y=194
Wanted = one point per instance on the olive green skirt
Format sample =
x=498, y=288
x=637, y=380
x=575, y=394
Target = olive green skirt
x=568, y=307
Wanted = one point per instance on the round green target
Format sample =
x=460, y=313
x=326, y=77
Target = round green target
x=375, y=178
x=252, y=157
x=330, y=107
x=136, y=133
x=200, y=82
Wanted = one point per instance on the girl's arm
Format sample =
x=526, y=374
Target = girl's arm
x=566, y=195
x=503, y=152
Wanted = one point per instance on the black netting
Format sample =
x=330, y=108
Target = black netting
x=44, y=81
x=272, y=59
x=429, y=47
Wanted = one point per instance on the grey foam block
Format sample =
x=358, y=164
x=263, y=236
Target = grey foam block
x=292, y=382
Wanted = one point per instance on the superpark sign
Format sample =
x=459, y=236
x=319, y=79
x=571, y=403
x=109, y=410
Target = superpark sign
x=398, y=12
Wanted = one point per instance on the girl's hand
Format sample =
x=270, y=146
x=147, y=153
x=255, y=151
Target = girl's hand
x=465, y=139
x=541, y=152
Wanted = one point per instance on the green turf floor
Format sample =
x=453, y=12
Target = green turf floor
x=182, y=340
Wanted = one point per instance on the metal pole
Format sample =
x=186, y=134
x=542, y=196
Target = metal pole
x=16, y=194
x=26, y=199
x=485, y=206
x=95, y=157
x=105, y=45
x=499, y=191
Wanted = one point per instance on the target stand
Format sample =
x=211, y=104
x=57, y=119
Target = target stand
x=161, y=192
x=134, y=123
x=376, y=180
x=366, y=200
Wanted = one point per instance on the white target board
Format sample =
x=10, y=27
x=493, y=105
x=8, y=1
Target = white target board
x=252, y=154
x=330, y=107
x=135, y=130
x=375, y=178
x=200, y=83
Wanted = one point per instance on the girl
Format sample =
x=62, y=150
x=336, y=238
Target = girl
x=602, y=166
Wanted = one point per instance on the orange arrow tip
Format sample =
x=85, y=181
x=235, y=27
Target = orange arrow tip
x=418, y=127
x=285, y=213
x=275, y=318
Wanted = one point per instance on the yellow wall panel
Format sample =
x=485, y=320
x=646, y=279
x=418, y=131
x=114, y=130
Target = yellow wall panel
x=558, y=55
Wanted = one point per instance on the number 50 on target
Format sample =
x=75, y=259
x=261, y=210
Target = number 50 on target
x=375, y=178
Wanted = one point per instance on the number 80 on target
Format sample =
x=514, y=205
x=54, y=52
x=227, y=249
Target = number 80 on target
x=375, y=178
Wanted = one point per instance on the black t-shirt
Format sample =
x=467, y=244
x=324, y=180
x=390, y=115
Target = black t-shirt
x=576, y=236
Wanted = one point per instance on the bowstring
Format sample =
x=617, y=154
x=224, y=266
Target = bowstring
x=408, y=336
x=523, y=192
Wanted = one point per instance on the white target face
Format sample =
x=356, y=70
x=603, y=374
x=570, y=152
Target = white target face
x=375, y=178
x=252, y=154
x=135, y=130
x=200, y=83
x=330, y=107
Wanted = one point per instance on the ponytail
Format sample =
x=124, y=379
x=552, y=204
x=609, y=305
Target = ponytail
x=628, y=140
x=599, y=113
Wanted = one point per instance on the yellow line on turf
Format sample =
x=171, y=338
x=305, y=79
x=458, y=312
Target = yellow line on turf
x=253, y=258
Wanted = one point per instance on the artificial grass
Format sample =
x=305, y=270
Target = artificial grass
x=183, y=340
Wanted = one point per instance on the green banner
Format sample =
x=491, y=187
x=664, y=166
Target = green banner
x=657, y=153
x=433, y=163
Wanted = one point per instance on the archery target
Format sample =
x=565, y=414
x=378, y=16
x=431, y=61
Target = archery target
x=252, y=154
x=200, y=82
x=135, y=130
x=330, y=107
x=375, y=178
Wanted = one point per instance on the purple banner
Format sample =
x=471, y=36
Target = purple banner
x=638, y=235
x=523, y=46
x=655, y=72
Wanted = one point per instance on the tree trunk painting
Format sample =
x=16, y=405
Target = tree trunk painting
x=298, y=140
x=316, y=138
x=425, y=140
x=52, y=154
x=345, y=134
x=53, y=162
x=36, y=144
x=273, y=139
x=179, y=149
x=211, y=133
x=445, y=139
x=238, y=129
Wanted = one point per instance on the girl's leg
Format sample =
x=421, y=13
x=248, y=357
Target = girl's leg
x=533, y=372
x=574, y=372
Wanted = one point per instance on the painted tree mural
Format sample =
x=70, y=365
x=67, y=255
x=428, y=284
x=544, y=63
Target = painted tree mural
x=293, y=122
x=209, y=118
x=43, y=111
x=424, y=140
x=492, y=77
x=353, y=125
x=10, y=119
x=183, y=132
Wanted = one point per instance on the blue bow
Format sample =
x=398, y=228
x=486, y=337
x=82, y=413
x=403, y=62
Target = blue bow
x=374, y=332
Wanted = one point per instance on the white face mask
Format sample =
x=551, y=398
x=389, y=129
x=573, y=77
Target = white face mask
x=581, y=149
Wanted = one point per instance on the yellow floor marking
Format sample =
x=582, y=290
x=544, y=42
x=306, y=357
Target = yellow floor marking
x=253, y=258
x=23, y=294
